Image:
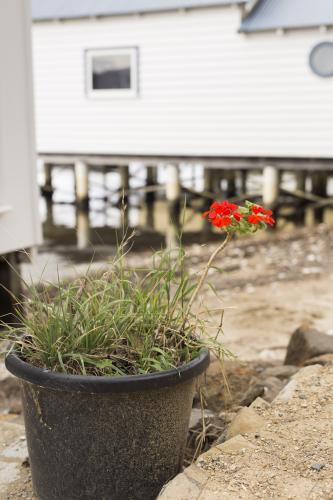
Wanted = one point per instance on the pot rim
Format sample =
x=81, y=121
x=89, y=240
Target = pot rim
x=106, y=384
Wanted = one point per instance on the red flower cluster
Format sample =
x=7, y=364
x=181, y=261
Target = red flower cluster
x=260, y=214
x=223, y=214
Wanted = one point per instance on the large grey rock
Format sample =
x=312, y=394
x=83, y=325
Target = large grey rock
x=306, y=343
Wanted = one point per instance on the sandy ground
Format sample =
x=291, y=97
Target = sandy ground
x=261, y=323
x=271, y=285
x=287, y=454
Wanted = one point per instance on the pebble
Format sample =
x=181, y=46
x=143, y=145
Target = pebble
x=317, y=467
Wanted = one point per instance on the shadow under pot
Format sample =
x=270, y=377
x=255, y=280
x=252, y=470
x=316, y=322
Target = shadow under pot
x=105, y=438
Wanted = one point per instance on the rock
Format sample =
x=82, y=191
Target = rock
x=268, y=389
x=185, y=486
x=287, y=392
x=306, y=343
x=10, y=392
x=282, y=371
x=260, y=404
x=272, y=387
x=317, y=467
x=196, y=416
x=252, y=393
x=302, y=377
x=235, y=444
x=324, y=359
x=227, y=416
x=246, y=421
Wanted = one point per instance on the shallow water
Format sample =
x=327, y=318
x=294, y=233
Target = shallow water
x=66, y=227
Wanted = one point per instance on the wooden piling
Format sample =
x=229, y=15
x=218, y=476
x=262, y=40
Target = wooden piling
x=208, y=179
x=124, y=183
x=173, y=191
x=151, y=180
x=301, y=204
x=10, y=280
x=230, y=177
x=173, y=194
x=271, y=186
x=81, y=172
x=243, y=181
x=319, y=188
x=47, y=189
x=82, y=229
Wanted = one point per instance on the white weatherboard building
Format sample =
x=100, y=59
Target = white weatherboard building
x=19, y=222
x=198, y=78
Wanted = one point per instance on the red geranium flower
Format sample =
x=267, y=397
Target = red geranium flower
x=257, y=209
x=254, y=219
x=269, y=220
x=222, y=221
x=238, y=216
x=224, y=214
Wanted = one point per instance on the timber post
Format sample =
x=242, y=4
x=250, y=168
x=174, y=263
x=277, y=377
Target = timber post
x=151, y=181
x=319, y=187
x=47, y=188
x=82, y=229
x=173, y=194
x=271, y=186
x=10, y=280
x=81, y=172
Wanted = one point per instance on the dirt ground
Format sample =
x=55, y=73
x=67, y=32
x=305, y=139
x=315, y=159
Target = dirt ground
x=272, y=283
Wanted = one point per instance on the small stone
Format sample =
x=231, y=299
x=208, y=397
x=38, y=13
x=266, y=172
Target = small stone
x=272, y=386
x=246, y=421
x=282, y=372
x=324, y=359
x=317, y=467
x=260, y=404
x=196, y=416
x=236, y=443
x=252, y=394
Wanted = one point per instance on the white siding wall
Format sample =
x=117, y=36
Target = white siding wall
x=204, y=89
x=19, y=224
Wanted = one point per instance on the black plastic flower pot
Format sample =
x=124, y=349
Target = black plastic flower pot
x=105, y=438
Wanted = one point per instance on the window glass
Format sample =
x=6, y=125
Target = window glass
x=111, y=72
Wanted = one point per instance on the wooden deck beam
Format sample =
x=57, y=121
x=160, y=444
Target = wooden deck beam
x=218, y=162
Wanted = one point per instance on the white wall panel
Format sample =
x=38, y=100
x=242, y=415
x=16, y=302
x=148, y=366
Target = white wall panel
x=205, y=89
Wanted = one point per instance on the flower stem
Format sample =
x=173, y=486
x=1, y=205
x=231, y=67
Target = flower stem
x=203, y=277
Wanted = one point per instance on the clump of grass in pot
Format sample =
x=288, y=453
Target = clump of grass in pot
x=127, y=322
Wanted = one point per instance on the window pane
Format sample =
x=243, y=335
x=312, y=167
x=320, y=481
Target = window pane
x=111, y=72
